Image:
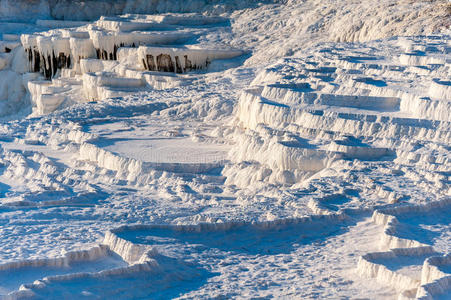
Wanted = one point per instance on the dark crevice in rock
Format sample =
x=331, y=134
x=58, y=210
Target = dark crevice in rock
x=165, y=63
x=47, y=65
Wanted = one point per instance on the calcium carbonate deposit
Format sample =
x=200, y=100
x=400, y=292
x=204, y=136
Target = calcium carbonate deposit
x=200, y=149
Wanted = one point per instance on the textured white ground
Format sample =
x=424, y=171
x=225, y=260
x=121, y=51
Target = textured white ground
x=315, y=164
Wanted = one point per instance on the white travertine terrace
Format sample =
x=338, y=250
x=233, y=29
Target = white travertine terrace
x=148, y=155
x=105, y=59
x=433, y=282
x=181, y=60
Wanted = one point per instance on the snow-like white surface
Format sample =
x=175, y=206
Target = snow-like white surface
x=225, y=149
